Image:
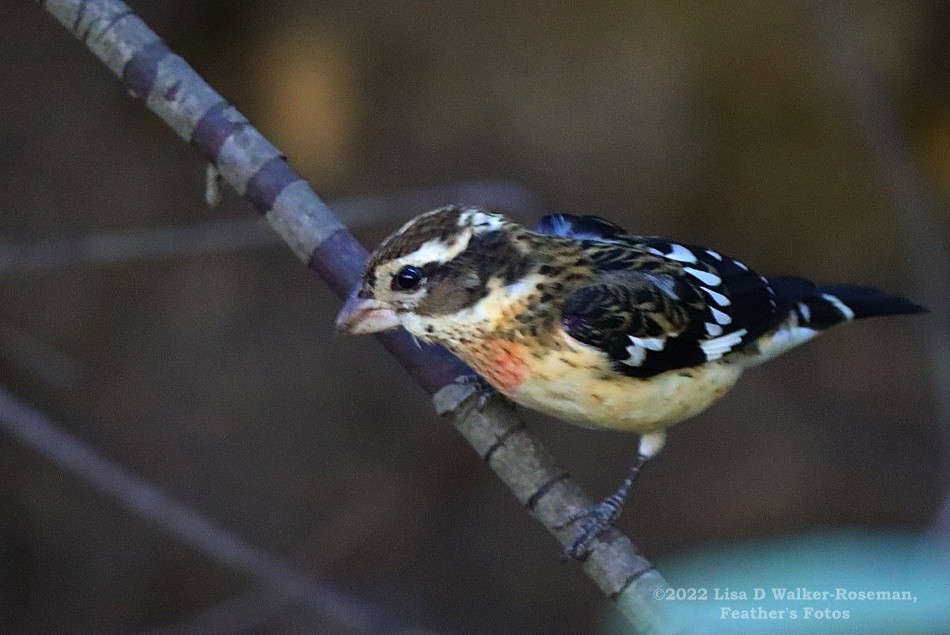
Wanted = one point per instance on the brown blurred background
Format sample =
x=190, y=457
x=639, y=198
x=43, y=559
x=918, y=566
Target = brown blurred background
x=217, y=377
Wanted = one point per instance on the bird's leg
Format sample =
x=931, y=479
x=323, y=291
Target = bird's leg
x=598, y=518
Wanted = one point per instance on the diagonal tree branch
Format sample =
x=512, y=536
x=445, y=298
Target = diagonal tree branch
x=260, y=173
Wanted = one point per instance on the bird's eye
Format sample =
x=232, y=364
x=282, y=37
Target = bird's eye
x=408, y=278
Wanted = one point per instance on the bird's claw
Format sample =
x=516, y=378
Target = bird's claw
x=594, y=521
x=480, y=387
x=450, y=397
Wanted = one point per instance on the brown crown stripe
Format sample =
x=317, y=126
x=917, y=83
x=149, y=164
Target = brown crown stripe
x=140, y=71
x=268, y=182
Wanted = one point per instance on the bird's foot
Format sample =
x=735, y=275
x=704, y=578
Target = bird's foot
x=598, y=518
x=481, y=387
x=593, y=521
x=450, y=398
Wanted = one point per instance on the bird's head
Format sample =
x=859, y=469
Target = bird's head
x=433, y=269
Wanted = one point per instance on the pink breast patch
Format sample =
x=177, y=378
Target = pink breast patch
x=504, y=364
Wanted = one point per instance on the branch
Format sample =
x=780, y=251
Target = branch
x=249, y=610
x=151, y=503
x=911, y=200
x=51, y=254
x=260, y=173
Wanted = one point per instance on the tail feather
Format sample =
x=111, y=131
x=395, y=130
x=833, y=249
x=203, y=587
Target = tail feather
x=807, y=309
x=823, y=306
x=868, y=301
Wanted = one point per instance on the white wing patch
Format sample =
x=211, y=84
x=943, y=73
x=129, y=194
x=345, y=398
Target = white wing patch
x=719, y=316
x=705, y=277
x=804, y=311
x=719, y=346
x=681, y=254
x=768, y=286
x=838, y=304
x=717, y=297
x=637, y=351
x=649, y=343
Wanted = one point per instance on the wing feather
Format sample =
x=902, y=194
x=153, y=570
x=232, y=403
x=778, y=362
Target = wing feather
x=658, y=306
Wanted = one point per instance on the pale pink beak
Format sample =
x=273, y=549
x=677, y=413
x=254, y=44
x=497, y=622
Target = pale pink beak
x=360, y=316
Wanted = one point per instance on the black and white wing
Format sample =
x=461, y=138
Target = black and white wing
x=658, y=306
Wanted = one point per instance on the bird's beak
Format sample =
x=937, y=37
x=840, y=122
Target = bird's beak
x=365, y=315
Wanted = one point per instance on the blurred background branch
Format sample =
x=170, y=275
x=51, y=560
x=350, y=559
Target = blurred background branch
x=256, y=607
x=193, y=529
x=233, y=234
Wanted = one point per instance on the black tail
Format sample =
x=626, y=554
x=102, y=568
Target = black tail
x=823, y=306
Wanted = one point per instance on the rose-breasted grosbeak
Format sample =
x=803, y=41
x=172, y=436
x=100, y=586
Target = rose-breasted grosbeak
x=580, y=320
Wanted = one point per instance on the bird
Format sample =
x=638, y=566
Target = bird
x=582, y=321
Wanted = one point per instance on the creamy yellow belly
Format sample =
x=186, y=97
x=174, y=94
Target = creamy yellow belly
x=569, y=384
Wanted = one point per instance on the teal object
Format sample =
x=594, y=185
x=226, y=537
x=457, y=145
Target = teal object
x=841, y=582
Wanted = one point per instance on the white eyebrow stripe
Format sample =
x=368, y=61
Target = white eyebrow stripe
x=435, y=250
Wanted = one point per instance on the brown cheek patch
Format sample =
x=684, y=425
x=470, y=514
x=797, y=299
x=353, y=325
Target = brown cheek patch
x=448, y=297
